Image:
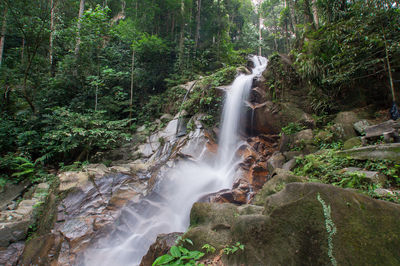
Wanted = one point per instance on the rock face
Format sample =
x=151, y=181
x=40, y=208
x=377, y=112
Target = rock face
x=290, y=228
x=14, y=224
x=162, y=245
x=269, y=117
x=85, y=213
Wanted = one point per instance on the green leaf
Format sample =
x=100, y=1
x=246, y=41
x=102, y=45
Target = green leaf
x=164, y=259
x=189, y=241
x=175, y=252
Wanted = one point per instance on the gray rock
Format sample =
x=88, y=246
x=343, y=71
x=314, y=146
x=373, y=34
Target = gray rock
x=275, y=161
x=351, y=143
x=360, y=126
x=289, y=165
x=10, y=192
x=343, y=126
x=70, y=179
x=384, y=192
x=10, y=256
x=166, y=117
x=375, y=152
x=305, y=136
x=374, y=176
x=289, y=155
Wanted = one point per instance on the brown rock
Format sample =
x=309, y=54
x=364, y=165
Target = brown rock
x=9, y=256
x=162, y=245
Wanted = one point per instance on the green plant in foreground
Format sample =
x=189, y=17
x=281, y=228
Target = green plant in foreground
x=330, y=228
x=232, y=249
x=209, y=248
x=178, y=255
x=292, y=128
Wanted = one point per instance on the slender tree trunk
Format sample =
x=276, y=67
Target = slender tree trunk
x=52, y=15
x=182, y=34
x=293, y=21
x=131, y=96
x=389, y=68
x=78, y=37
x=3, y=34
x=315, y=13
x=198, y=21
x=259, y=30
x=307, y=14
x=22, y=50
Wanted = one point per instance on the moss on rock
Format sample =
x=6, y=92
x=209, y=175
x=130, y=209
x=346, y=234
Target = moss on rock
x=292, y=228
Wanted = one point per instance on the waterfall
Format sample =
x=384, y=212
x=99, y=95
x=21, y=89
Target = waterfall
x=167, y=208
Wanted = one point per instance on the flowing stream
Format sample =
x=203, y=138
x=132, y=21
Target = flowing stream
x=167, y=208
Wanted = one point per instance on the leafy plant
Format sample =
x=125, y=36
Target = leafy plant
x=209, y=248
x=330, y=228
x=179, y=255
x=24, y=168
x=354, y=180
x=232, y=249
x=292, y=128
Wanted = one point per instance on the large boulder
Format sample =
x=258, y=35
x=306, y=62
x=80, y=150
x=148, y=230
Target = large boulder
x=343, y=126
x=269, y=117
x=304, y=224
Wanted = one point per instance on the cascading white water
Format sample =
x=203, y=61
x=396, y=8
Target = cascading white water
x=167, y=208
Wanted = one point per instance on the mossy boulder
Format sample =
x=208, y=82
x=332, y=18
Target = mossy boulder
x=278, y=181
x=291, y=230
x=351, y=143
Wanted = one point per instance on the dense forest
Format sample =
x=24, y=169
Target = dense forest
x=77, y=77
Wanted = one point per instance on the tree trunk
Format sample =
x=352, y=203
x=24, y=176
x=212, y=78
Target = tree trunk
x=3, y=34
x=259, y=30
x=52, y=11
x=131, y=96
x=78, y=37
x=389, y=68
x=293, y=21
x=197, y=37
x=315, y=13
x=307, y=13
x=182, y=34
x=22, y=50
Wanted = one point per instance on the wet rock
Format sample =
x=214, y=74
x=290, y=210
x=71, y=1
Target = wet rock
x=258, y=174
x=162, y=245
